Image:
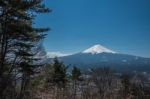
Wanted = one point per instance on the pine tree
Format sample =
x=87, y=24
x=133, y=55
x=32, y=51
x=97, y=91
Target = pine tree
x=76, y=73
x=18, y=38
x=59, y=75
x=125, y=86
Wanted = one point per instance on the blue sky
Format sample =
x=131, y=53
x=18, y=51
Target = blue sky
x=121, y=25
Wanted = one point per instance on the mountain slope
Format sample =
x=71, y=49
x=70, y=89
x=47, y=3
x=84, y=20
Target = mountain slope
x=98, y=56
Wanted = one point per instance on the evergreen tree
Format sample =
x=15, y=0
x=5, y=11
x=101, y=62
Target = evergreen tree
x=59, y=75
x=76, y=73
x=18, y=38
x=125, y=86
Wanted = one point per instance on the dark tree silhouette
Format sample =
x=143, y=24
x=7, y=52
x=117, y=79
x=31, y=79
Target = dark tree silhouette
x=18, y=38
x=126, y=85
x=59, y=76
x=76, y=73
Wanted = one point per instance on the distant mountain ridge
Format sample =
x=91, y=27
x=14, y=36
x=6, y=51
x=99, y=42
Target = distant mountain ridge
x=99, y=56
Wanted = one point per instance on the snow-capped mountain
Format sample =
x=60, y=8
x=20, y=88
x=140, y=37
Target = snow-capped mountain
x=56, y=54
x=99, y=56
x=96, y=49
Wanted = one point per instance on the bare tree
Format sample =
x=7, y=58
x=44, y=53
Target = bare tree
x=105, y=82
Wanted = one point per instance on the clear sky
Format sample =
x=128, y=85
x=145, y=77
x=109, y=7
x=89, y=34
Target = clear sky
x=121, y=25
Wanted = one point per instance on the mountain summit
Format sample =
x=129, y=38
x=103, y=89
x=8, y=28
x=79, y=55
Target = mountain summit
x=96, y=49
x=99, y=56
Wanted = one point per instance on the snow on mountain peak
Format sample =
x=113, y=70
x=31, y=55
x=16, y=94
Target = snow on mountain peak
x=96, y=49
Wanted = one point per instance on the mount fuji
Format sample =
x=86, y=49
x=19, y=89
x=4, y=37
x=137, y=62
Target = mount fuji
x=96, y=49
x=100, y=56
